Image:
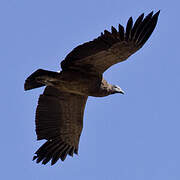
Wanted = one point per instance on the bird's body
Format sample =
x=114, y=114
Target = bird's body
x=80, y=83
x=59, y=114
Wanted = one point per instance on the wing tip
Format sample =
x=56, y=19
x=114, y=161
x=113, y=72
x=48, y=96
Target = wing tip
x=145, y=28
x=131, y=32
x=52, y=150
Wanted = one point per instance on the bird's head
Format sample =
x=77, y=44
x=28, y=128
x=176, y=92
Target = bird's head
x=116, y=89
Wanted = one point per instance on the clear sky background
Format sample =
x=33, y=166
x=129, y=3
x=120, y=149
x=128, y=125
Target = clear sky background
x=135, y=136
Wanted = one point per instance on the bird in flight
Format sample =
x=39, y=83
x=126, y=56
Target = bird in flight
x=60, y=109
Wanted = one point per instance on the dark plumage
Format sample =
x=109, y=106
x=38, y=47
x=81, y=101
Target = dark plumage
x=59, y=114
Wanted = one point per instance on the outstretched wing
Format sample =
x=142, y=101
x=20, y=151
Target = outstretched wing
x=110, y=48
x=59, y=120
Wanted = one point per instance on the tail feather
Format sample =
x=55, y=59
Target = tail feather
x=33, y=81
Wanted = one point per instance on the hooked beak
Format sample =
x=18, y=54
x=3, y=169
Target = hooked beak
x=118, y=89
x=122, y=92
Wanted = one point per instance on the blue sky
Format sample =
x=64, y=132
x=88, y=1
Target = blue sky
x=132, y=136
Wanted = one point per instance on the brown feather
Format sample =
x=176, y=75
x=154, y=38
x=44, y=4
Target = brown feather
x=121, y=32
x=65, y=153
x=71, y=151
x=114, y=48
x=128, y=29
x=150, y=29
x=143, y=24
x=59, y=119
x=50, y=152
x=136, y=25
x=114, y=31
x=58, y=154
